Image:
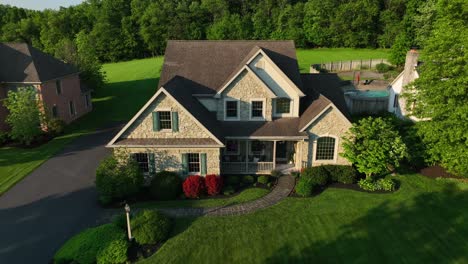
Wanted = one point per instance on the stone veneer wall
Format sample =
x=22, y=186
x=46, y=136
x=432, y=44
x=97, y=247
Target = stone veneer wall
x=331, y=123
x=244, y=88
x=143, y=126
x=170, y=159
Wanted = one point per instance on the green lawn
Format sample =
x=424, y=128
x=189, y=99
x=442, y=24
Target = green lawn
x=307, y=57
x=245, y=196
x=130, y=85
x=423, y=222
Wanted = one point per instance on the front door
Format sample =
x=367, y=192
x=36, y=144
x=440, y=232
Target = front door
x=281, y=152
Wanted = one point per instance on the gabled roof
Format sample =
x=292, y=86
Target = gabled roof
x=323, y=91
x=186, y=101
x=20, y=62
x=212, y=63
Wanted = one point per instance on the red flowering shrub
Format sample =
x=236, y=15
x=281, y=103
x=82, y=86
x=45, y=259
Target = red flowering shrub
x=193, y=186
x=214, y=184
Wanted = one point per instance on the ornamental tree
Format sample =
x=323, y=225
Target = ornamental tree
x=440, y=94
x=24, y=116
x=374, y=146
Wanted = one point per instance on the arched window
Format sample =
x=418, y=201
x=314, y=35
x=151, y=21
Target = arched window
x=325, y=148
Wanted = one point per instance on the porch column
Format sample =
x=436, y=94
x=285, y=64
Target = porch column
x=246, y=156
x=274, y=154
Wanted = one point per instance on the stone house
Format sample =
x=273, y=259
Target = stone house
x=396, y=103
x=57, y=83
x=236, y=107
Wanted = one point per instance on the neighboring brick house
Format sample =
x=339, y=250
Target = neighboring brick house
x=57, y=83
x=236, y=107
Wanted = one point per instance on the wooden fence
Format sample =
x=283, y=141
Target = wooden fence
x=339, y=66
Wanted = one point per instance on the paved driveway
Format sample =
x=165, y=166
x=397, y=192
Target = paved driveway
x=53, y=203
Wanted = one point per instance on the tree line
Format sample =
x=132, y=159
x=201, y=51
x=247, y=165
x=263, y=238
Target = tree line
x=127, y=29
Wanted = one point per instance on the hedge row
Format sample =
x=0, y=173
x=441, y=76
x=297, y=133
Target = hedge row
x=314, y=177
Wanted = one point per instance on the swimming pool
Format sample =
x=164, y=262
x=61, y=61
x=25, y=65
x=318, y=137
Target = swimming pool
x=368, y=93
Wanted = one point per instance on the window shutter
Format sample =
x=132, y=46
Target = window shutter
x=175, y=122
x=151, y=164
x=184, y=164
x=156, y=121
x=203, y=163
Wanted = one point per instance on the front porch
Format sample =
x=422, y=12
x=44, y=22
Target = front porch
x=257, y=157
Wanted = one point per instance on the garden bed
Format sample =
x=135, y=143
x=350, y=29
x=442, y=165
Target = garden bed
x=437, y=171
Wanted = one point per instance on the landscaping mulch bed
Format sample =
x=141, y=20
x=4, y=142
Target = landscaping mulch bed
x=437, y=171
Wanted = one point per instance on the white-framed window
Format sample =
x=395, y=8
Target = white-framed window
x=232, y=147
x=257, y=109
x=58, y=87
x=71, y=106
x=193, y=163
x=143, y=161
x=325, y=148
x=282, y=106
x=231, y=109
x=165, y=120
x=257, y=147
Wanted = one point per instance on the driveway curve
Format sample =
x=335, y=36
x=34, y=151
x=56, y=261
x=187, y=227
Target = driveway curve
x=53, y=203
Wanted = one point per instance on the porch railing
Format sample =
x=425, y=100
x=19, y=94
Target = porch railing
x=247, y=167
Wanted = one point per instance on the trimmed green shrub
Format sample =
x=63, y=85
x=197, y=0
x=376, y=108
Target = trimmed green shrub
x=263, y=179
x=386, y=184
x=304, y=187
x=380, y=184
x=3, y=137
x=117, y=179
x=166, y=185
x=120, y=221
x=114, y=253
x=383, y=67
x=228, y=190
x=55, y=126
x=318, y=175
x=367, y=184
x=342, y=173
x=276, y=173
x=232, y=180
x=150, y=227
x=84, y=247
x=248, y=179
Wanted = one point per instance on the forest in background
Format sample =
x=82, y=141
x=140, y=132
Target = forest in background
x=116, y=30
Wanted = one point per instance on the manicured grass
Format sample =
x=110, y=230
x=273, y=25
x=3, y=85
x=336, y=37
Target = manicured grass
x=130, y=85
x=245, y=196
x=423, y=222
x=307, y=57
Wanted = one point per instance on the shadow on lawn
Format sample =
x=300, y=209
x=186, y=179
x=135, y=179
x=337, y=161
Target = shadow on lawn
x=431, y=228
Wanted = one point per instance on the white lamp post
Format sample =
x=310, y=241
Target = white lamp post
x=129, y=230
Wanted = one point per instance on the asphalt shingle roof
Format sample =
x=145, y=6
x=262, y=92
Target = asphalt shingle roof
x=20, y=62
x=211, y=63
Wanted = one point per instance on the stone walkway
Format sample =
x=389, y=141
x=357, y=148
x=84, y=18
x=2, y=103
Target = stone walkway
x=282, y=190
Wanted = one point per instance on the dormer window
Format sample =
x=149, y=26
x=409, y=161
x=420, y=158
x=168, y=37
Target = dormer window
x=231, y=109
x=282, y=106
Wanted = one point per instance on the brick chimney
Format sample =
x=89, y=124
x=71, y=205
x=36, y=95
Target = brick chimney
x=410, y=65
